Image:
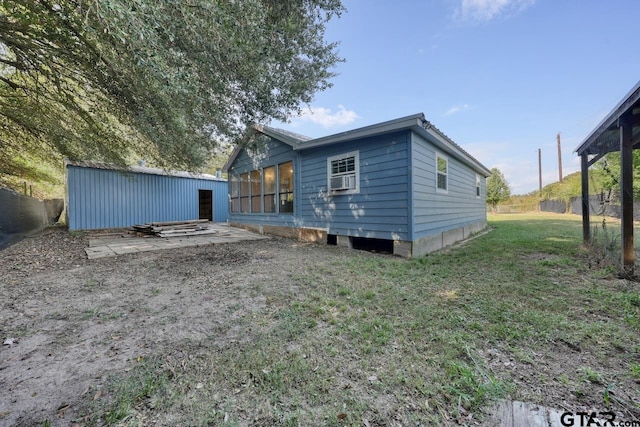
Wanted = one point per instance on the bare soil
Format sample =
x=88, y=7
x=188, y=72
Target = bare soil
x=67, y=323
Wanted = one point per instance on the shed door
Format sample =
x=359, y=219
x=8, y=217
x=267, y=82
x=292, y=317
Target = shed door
x=205, y=204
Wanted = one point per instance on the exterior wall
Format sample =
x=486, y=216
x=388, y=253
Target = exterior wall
x=268, y=152
x=436, y=212
x=380, y=210
x=103, y=198
x=397, y=199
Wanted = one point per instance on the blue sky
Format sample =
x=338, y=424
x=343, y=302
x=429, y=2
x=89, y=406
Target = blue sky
x=500, y=77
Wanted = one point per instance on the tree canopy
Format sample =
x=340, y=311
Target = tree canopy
x=163, y=79
x=498, y=189
x=609, y=165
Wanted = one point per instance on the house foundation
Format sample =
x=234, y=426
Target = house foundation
x=405, y=249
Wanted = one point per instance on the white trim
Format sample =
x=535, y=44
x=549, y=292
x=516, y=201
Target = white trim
x=446, y=174
x=356, y=172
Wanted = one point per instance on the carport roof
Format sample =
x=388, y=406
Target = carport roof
x=605, y=138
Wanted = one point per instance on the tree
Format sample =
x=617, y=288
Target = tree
x=609, y=165
x=164, y=80
x=497, y=188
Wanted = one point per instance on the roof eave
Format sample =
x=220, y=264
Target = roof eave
x=430, y=133
x=611, y=120
x=367, y=131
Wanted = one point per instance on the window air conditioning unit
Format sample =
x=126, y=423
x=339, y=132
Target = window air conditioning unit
x=343, y=182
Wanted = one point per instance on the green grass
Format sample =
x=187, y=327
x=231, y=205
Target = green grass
x=377, y=338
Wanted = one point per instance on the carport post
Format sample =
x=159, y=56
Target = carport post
x=586, y=227
x=626, y=184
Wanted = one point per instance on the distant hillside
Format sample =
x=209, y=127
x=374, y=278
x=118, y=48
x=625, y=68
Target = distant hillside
x=571, y=186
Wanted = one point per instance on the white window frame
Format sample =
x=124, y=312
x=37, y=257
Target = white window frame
x=438, y=173
x=356, y=171
x=478, y=187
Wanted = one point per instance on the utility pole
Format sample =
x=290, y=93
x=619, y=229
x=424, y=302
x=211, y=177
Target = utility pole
x=540, y=170
x=559, y=159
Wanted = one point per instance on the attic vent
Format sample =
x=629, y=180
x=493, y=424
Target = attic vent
x=343, y=182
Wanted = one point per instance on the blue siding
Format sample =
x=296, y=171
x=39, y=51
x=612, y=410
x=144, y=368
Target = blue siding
x=380, y=210
x=267, y=152
x=102, y=198
x=435, y=212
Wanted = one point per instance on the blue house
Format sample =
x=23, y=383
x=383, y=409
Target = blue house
x=103, y=196
x=400, y=185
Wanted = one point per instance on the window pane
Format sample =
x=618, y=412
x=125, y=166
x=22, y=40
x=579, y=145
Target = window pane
x=269, y=203
x=285, y=185
x=442, y=165
x=235, y=186
x=244, y=185
x=285, y=172
x=270, y=180
x=235, y=193
x=348, y=164
x=244, y=193
x=442, y=181
x=256, y=191
x=269, y=199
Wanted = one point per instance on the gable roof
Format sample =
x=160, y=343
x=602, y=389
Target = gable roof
x=416, y=122
x=605, y=138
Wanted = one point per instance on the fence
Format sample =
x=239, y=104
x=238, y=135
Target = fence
x=20, y=214
x=598, y=206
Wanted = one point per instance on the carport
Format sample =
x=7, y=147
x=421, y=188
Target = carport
x=619, y=131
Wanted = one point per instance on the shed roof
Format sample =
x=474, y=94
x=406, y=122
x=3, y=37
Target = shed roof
x=605, y=138
x=416, y=122
x=141, y=169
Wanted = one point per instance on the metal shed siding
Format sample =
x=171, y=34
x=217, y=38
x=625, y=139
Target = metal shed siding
x=268, y=152
x=102, y=198
x=380, y=210
x=434, y=212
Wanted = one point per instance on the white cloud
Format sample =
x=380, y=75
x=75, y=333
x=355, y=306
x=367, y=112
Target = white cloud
x=486, y=10
x=327, y=118
x=456, y=109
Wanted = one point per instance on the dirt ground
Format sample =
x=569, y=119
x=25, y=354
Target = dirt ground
x=66, y=323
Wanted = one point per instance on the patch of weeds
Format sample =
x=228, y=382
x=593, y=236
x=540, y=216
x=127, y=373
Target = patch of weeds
x=45, y=423
x=90, y=283
x=76, y=234
x=469, y=388
x=634, y=368
x=156, y=291
x=90, y=313
x=607, y=394
x=144, y=387
x=590, y=375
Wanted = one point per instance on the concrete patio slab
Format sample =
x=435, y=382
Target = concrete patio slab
x=221, y=233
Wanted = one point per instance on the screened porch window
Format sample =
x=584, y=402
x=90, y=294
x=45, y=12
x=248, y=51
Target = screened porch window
x=244, y=193
x=235, y=193
x=285, y=187
x=256, y=191
x=269, y=189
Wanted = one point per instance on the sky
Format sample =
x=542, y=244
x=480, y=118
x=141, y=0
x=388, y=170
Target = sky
x=500, y=77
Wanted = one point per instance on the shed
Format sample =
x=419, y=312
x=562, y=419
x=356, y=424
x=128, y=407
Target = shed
x=402, y=185
x=618, y=131
x=103, y=196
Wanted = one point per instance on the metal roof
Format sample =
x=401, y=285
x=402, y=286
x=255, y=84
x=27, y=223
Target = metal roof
x=605, y=138
x=415, y=122
x=142, y=169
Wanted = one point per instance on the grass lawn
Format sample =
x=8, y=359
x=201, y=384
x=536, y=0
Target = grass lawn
x=520, y=312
